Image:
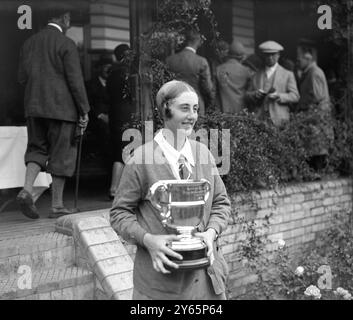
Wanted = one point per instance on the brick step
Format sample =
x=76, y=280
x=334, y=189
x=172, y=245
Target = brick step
x=42, y=251
x=69, y=283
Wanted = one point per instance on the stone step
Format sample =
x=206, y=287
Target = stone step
x=38, y=252
x=71, y=283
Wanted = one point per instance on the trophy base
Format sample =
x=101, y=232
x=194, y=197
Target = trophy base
x=193, y=258
x=193, y=264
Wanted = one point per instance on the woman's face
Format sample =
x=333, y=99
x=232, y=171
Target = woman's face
x=184, y=112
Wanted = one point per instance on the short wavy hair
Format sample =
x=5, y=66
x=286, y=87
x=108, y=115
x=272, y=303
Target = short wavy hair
x=170, y=91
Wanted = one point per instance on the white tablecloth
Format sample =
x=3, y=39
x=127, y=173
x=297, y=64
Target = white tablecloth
x=13, y=143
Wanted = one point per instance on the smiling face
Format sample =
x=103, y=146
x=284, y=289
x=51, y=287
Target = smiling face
x=184, y=113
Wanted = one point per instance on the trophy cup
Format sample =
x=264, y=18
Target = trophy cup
x=181, y=207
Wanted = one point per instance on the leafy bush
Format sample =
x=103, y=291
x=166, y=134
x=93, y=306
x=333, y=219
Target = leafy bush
x=254, y=150
x=262, y=155
x=323, y=268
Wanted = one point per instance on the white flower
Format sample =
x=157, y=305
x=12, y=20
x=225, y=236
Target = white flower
x=299, y=271
x=347, y=296
x=281, y=243
x=342, y=292
x=313, y=291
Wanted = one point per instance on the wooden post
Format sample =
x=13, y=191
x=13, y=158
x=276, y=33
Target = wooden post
x=348, y=111
x=135, y=46
x=141, y=13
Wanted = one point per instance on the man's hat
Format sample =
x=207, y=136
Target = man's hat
x=270, y=47
x=237, y=50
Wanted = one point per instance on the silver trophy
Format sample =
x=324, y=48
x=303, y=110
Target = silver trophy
x=181, y=208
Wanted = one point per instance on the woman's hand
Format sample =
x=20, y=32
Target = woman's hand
x=157, y=246
x=208, y=237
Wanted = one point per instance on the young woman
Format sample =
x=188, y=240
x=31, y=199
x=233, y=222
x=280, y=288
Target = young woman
x=135, y=218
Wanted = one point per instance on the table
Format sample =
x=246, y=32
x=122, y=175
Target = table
x=13, y=143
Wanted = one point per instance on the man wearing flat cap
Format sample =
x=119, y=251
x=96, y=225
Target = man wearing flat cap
x=233, y=79
x=273, y=89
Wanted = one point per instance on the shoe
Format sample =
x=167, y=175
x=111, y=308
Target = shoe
x=25, y=201
x=59, y=212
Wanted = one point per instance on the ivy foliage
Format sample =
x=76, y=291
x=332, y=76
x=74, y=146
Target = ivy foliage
x=264, y=156
x=166, y=36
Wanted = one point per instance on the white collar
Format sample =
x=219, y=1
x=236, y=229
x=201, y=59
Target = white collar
x=270, y=70
x=55, y=25
x=273, y=68
x=172, y=155
x=191, y=49
x=102, y=81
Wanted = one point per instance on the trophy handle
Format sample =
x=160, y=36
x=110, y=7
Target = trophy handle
x=156, y=190
x=208, y=189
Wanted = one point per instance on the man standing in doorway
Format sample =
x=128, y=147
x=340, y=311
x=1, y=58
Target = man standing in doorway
x=55, y=104
x=193, y=69
x=273, y=89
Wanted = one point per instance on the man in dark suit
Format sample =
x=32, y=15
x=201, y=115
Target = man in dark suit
x=193, y=69
x=55, y=103
x=97, y=92
x=100, y=105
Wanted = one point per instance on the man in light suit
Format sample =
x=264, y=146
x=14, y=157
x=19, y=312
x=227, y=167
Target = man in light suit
x=273, y=89
x=233, y=80
x=193, y=69
x=56, y=105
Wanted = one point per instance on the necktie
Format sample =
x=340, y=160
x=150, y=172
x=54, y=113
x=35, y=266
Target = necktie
x=184, y=172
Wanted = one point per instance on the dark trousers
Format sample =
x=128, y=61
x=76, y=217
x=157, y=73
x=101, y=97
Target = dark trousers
x=51, y=145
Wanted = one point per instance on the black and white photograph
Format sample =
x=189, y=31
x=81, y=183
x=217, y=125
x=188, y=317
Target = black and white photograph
x=176, y=150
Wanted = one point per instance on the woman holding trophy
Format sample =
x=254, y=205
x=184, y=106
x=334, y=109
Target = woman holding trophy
x=174, y=207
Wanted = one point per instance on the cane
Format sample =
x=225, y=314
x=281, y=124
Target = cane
x=78, y=165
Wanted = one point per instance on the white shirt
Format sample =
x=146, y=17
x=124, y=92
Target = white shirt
x=102, y=81
x=172, y=155
x=191, y=49
x=270, y=70
x=55, y=25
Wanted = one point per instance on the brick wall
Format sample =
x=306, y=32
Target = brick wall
x=298, y=212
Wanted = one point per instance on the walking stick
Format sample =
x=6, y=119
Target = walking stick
x=78, y=165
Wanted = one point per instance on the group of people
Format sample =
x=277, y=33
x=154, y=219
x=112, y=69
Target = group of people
x=57, y=107
x=259, y=83
x=263, y=84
